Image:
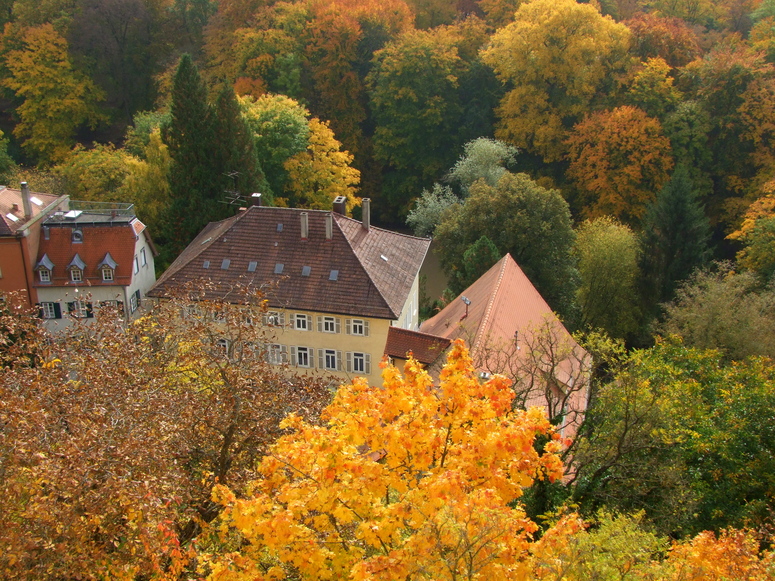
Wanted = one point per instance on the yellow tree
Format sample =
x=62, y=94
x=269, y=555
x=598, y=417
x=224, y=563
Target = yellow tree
x=410, y=481
x=558, y=55
x=57, y=99
x=322, y=172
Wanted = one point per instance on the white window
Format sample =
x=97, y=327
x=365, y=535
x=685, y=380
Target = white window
x=277, y=354
x=107, y=274
x=302, y=356
x=359, y=363
x=80, y=309
x=274, y=319
x=50, y=310
x=137, y=266
x=301, y=322
x=45, y=275
x=143, y=259
x=357, y=327
x=330, y=359
x=329, y=325
x=76, y=274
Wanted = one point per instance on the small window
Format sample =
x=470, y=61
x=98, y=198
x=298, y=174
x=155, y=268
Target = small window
x=358, y=327
x=45, y=275
x=107, y=274
x=76, y=275
x=143, y=259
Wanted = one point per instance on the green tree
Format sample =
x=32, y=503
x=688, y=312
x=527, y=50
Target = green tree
x=195, y=176
x=607, y=254
x=56, y=98
x=560, y=58
x=531, y=223
x=674, y=240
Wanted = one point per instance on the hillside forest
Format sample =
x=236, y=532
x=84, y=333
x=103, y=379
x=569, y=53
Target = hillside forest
x=623, y=152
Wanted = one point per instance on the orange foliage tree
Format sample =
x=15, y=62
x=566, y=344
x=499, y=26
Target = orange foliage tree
x=411, y=480
x=619, y=160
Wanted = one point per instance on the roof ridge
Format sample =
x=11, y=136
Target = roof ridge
x=488, y=311
x=360, y=263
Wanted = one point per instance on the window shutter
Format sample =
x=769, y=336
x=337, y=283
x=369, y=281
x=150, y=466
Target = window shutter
x=321, y=355
x=339, y=360
x=338, y=324
x=90, y=311
x=367, y=364
x=349, y=359
x=294, y=356
x=57, y=311
x=348, y=326
x=365, y=328
x=320, y=324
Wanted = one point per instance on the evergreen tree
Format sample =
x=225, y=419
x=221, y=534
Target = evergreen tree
x=235, y=151
x=675, y=239
x=195, y=178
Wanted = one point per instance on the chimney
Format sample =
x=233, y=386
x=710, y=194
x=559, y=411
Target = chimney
x=329, y=226
x=340, y=205
x=304, y=225
x=26, y=200
x=366, y=213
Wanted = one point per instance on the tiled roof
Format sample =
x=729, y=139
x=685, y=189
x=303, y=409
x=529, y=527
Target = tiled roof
x=423, y=347
x=118, y=240
x=11, y=205
x=503, y=302
x=365, y=284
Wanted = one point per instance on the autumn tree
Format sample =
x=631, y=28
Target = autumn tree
x=423, y=482
x=322, y=172
x=608, y=256
x=528, y=221
x=111, y=446
x=56, y=99
x=619, y=160
x=559, y=58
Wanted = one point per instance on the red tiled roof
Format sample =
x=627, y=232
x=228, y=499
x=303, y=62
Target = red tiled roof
x=98, y=240
x=11, y=203
x=366, y=283
x=423, y=347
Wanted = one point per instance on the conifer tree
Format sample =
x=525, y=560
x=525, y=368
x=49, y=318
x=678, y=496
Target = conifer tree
x=195, y=178
x=674, y=240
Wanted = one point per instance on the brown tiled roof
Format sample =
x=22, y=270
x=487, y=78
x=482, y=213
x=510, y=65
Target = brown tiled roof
x=11, y=203
x=366, y=284
x=503, y=302
x=423, y=347
x=118, y=239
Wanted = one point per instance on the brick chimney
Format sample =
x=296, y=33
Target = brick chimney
x=366, y=213
x=340, y=205
x=26, y=200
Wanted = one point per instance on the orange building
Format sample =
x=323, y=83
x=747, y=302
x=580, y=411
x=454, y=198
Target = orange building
x=21, y=216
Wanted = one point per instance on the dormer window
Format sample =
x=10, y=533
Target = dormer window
x=76, y=268
x=107, y=267
x=44, y=268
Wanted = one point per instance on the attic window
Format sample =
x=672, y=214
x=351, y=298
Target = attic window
x=252, y=266
x=279, y=227
x=334, y=275
x=206, y=264
x=383, y=257
x=305, y=270
x=278, y=268
x=225, y=264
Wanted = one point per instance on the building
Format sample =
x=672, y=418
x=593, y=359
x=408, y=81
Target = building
x=92, y=255
x=334, y=285
x=511, y=330
x=21, y=216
